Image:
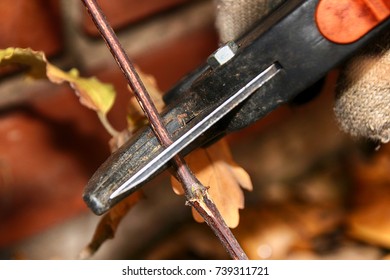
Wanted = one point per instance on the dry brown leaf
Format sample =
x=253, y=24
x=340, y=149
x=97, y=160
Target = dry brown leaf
x=216, y=169
x=187, y=241
x=369, y=220
x=265, y=234
x=372, y=223
x=135, y=115
x=108, y=225
x=274, y=231
x=376, y=170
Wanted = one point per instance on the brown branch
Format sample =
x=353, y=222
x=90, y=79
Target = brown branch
x=196, y=193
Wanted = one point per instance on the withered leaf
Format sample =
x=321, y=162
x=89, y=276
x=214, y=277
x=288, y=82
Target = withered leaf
x=371, y=223
x=135, y=115
x=369, y=219
x=216, y=169
x=93, y=94
x=108, y=225
x=273, y=231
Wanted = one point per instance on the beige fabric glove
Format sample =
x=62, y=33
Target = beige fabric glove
x=234, y=17
x=362, y=105
x=363, y=93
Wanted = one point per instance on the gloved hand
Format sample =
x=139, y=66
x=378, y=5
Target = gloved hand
x=362, y=105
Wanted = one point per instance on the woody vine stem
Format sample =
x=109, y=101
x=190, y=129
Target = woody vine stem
x=196, y=194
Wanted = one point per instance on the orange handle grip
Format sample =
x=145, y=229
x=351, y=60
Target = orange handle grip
x=346, y=21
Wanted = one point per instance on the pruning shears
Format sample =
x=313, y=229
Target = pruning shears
x=241, y=82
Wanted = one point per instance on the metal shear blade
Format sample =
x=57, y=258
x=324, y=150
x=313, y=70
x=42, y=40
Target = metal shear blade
x=161, y=159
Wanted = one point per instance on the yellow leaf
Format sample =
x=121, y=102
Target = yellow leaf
x=216, y=169
x=36, y=61
x=94, y=94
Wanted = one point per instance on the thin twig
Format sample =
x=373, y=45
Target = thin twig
x=196, y=193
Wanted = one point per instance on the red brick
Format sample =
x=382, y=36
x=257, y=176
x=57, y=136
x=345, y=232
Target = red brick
x=35, y=24
x=30, y=24
x=47, y=155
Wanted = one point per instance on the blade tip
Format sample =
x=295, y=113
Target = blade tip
x=95, y=204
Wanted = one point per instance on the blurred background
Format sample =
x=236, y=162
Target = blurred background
x=317, y=193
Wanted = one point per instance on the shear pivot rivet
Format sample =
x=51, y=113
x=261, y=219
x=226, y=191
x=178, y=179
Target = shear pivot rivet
x=222, y=55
